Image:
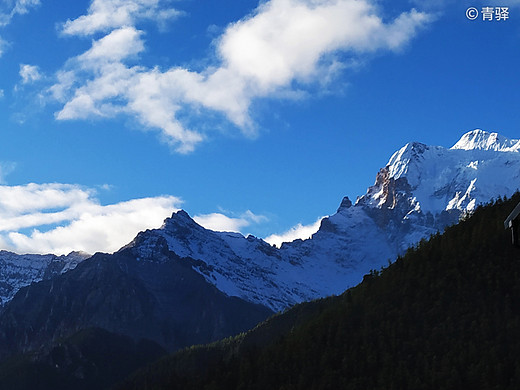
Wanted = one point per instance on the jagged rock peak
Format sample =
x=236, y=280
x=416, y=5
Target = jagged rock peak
x=78, y=254
x=180, y=217
x=345, y=204
x=483, y=140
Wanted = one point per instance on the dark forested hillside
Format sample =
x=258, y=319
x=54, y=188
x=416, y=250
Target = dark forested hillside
x=444, y=316
x=89, y=359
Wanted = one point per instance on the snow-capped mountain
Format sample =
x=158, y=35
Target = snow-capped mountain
x=183, y=284
x=160, y=299
x=421, y=190
x=424, y=188
x=17, y=271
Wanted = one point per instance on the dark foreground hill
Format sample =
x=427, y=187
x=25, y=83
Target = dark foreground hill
x=444, y=316
x=89, y=359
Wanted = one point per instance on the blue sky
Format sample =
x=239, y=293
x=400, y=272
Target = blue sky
x=253, y=117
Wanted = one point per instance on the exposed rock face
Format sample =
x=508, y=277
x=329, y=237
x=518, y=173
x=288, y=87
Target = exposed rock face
x=345, y=204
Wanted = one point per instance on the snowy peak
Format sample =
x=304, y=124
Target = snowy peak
x=483, y=140
x=400, y=163
x=433, y=178
x=179, y=219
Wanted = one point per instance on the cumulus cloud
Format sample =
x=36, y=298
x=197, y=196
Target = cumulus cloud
x=104, y=15
x=222, y=223
x=282, y=44
x=299, y=231
x=59, y=218
x=29, y=73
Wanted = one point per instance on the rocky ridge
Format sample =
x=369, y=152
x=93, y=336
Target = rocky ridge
x=420, y=191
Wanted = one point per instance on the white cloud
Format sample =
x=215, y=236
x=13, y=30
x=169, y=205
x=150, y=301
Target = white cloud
x=287, y=40
x=297, y=232
x=283, y=43
x=118, y=45
x=29, y=73
x=222, y=223
x=64, y=217
x=104, y=15
x=23, y=6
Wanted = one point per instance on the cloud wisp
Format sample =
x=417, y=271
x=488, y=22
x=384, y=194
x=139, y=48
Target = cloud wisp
x=6, y=167
x=283, y=46
x=222, y=223
x=299, y=231
x=9, y=9
x=29, y=73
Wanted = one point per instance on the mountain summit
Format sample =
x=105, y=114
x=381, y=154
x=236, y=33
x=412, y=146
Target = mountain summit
x=483, y=140
x=420, y=191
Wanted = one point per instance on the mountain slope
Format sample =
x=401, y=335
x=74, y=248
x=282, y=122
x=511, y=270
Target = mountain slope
x=444, y=316
x=159, y=298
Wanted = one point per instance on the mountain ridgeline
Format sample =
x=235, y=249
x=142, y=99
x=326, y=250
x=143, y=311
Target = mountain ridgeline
x=182, y=284
x=17, y=271
x=421, y=190
x=443, y=316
